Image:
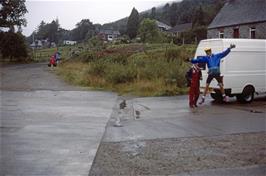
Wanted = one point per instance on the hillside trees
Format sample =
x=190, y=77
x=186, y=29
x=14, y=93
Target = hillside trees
x=199, y=18
x=84, y=30
x=42, y=30
x=173, y=14
x=153, y=13
x=165, y=15
x=48, y=31
x=133, y=23
x=53, y=28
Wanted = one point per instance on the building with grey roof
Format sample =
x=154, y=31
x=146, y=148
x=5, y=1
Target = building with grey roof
x=177, y=29
x=240, y=19
x=162, y=26
x=108, y=34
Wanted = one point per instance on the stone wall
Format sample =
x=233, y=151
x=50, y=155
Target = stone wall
x=244, y=31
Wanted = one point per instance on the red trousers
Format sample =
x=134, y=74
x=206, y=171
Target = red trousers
x=194, y=90
x=193, y=95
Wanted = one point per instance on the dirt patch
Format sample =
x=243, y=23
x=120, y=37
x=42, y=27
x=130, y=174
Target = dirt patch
x=179, y=155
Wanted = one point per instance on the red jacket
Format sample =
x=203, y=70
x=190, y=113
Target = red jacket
x=52, y=60
x=194, y=75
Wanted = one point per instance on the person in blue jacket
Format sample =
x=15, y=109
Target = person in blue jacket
x=213, y=63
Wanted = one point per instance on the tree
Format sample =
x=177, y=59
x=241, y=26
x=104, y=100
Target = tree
x=48, y=31
x=42, y=30
x=11, y=13
x=148, y=30
x=84, y=30
x=133, y=23
x=153, y=13
x=173, y=14
x=12, y=45
x=166, y=13
x=53, y=28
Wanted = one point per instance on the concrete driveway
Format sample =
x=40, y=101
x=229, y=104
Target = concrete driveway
x=48, y=127
x=167, y=117
x=162, y=136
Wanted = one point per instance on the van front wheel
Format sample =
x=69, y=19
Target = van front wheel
x=247, y=95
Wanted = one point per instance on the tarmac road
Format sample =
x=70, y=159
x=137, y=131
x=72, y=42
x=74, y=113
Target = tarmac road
x=48, y=127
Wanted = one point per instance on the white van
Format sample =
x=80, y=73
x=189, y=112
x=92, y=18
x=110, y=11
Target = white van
x=243, y=69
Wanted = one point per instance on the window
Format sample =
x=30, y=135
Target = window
x=221, y=33
x=236, y=33
x=252, y=32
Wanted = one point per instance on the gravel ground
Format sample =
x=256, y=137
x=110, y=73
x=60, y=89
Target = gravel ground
x=180, y=155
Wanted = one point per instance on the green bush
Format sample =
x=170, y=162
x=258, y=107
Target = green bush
x=87, y=56
x=97, y=68
x=117, y=73
x=95, y=42
x=118, y=58
x=172, y=54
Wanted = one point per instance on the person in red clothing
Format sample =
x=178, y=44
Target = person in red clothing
x=52, y=61
x=194, y=76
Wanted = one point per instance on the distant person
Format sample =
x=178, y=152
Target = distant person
x=57, y=56
x=193, y=77
x=52, y=61
x=213, y=62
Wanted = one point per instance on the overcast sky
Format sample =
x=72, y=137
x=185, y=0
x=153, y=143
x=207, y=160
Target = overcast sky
x=70, y=12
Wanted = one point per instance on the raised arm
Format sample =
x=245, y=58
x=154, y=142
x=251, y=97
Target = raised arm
x=199, y=59
x=226, y=52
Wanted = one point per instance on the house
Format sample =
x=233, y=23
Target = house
x=108, y=34
x=37, y=44
x=44, y=43
x=162, y=27
x=69, y=42
x=240, y=19
x=179, y=28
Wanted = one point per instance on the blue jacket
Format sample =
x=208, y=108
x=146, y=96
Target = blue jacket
x=212, y=61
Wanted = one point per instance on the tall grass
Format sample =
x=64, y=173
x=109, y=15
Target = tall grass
x=145, y=70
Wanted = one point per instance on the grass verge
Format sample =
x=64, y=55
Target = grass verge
x=141, y=70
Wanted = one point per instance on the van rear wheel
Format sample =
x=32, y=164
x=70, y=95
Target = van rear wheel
x=247, y=95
